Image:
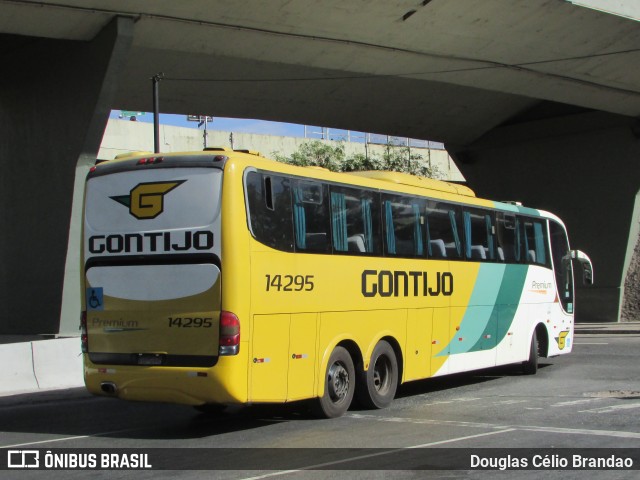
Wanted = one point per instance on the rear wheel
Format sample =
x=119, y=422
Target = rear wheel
x=377, y=385
x=530, y=367
x=339, y=385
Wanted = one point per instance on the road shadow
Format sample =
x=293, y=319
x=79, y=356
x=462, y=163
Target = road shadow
x=76, y=413
x=456, y=380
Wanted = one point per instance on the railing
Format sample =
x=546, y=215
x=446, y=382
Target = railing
x=324, y=133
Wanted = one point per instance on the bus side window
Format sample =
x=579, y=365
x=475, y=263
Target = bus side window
x=535, y=234
x=479, y=237
x=311, y=216
x=404, y=226
x=508, y=238
x=354, y=221
x=442, y=230
x=269, y=210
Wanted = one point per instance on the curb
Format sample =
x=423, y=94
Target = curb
x=617, y=328
x=601, y=331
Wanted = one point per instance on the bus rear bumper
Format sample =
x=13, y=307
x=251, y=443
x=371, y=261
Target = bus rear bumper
x=180, y=385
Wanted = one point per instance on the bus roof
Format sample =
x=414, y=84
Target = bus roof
x=415, y=181
x=371, y=178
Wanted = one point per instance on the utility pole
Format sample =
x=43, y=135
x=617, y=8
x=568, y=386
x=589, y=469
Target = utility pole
x=156, y=111
x=205, y=134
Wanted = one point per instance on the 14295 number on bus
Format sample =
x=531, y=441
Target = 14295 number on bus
x=289, y=283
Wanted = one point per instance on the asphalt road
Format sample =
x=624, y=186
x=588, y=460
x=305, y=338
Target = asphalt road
x=588, y=399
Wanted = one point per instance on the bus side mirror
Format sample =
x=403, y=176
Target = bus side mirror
x=586, y=265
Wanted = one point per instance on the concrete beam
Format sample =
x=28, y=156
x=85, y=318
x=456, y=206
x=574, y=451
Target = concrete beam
x=54, y=105
x=583, y=166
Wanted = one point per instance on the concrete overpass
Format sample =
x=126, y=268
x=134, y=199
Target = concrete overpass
x=537, y=100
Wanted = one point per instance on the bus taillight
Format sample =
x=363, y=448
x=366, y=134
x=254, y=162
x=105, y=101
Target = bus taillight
x=84, y=339
x=229, y=334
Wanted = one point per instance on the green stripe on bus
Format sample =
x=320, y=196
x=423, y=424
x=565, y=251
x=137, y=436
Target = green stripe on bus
x=511, y=291
x=479, y=315
x=492, y=308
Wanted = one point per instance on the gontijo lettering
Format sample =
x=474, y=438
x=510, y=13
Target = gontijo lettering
x=151, y=242
x=398, y=283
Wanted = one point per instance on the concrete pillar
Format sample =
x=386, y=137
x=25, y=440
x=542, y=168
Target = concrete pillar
x=55, y=97
x=631, y=294
x=583, y=166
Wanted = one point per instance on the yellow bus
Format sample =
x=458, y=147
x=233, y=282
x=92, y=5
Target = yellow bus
x=222, y=277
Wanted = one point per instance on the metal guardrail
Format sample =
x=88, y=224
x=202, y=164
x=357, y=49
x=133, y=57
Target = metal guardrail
x=324, y=133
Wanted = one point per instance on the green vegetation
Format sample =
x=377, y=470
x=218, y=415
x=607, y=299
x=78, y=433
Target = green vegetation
x=396, y=158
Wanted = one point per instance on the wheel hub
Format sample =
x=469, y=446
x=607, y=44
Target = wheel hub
x=338, y=382
x=381, y=374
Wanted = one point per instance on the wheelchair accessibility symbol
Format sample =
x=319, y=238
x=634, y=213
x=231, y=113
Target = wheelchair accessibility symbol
x=95, y=299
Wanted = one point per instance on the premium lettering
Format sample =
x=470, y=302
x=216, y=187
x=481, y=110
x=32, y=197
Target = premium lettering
x=114, y=323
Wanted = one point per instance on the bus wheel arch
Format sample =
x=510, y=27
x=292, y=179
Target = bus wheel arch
x=354, y=351
x=538, y=347
x=543, y=340
x=399, y=356
x=376, y=387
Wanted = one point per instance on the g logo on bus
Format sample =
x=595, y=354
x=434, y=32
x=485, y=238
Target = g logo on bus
x=146, y=200
x=562, y=339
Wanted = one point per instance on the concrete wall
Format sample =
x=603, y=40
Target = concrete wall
x=124, y=136
x=54, y=103
x=585, y=167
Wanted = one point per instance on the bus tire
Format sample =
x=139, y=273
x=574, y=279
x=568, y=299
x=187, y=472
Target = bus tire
x=377, y=385
x=339, y=385
x=530, y=367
